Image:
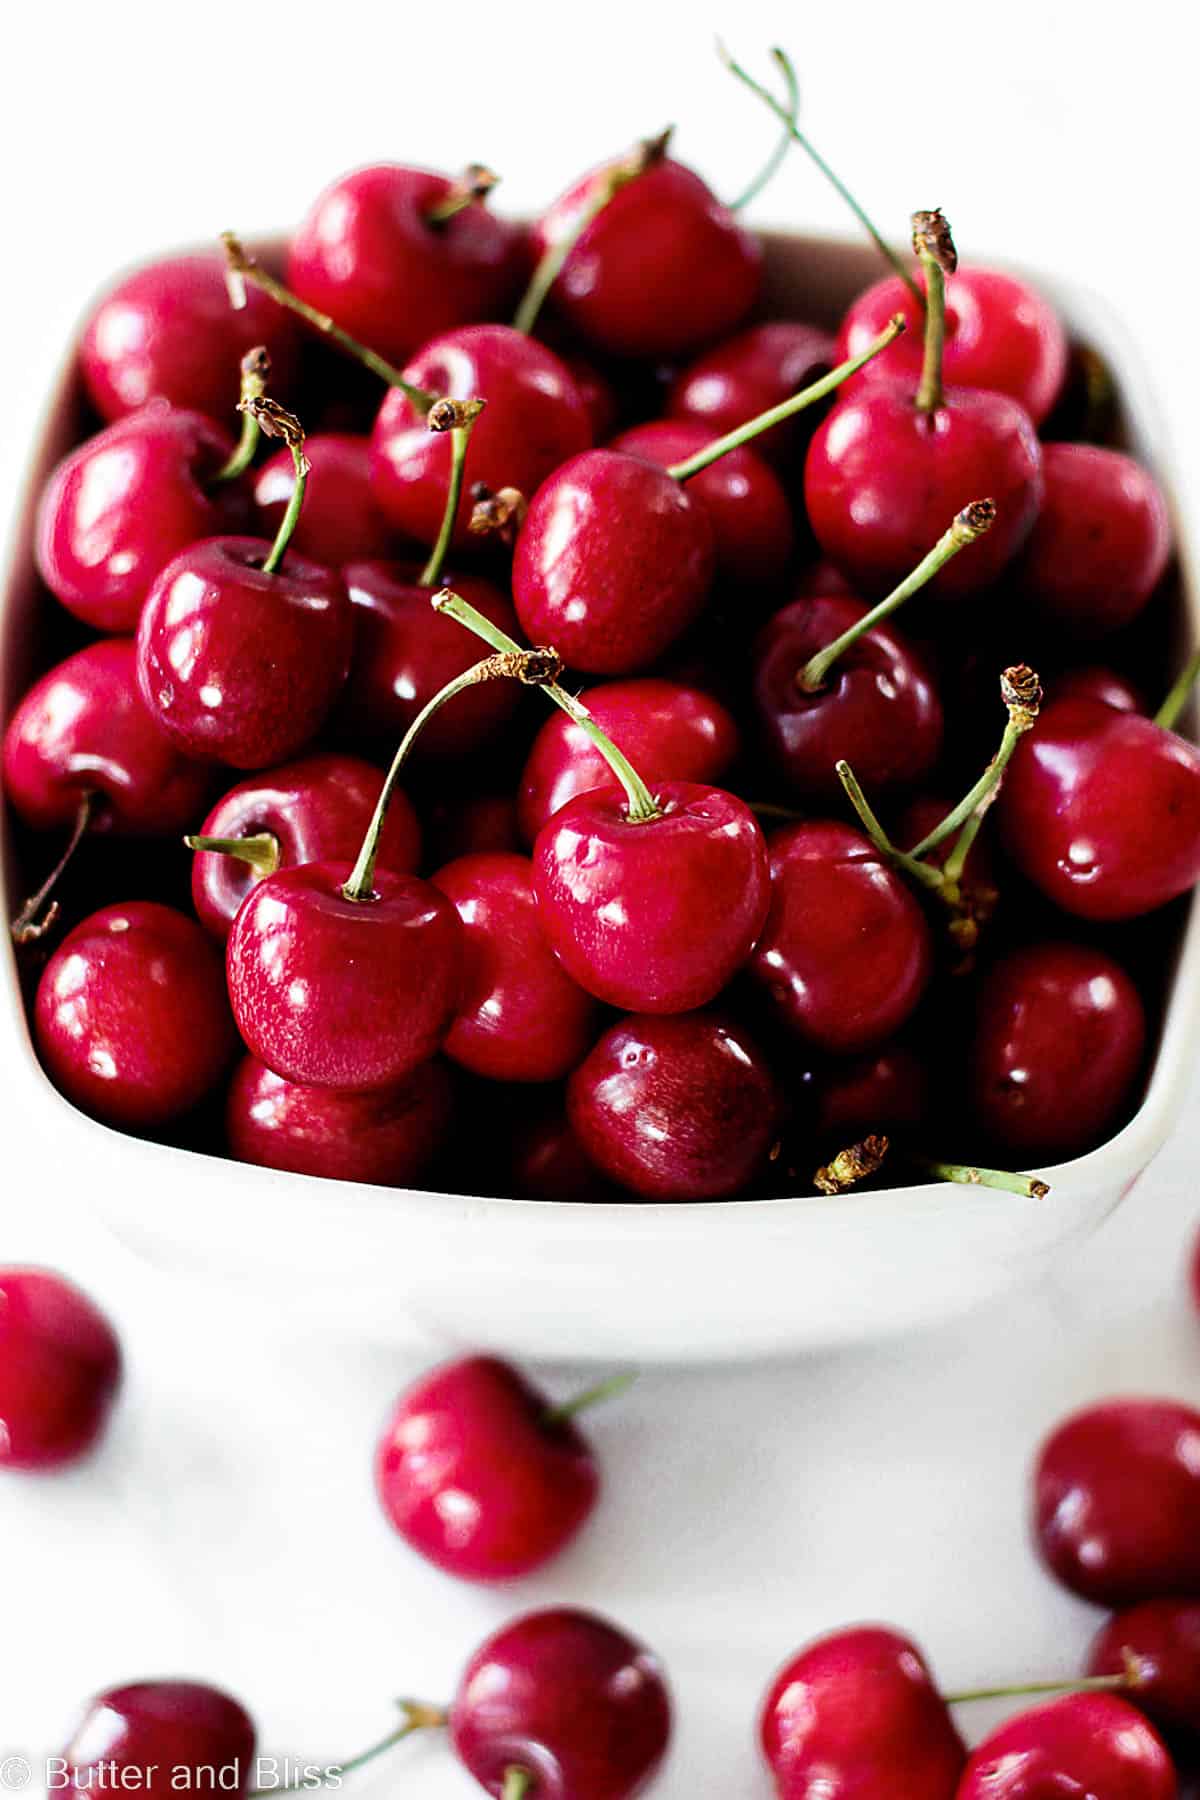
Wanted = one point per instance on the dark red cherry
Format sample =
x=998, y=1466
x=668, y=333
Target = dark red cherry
x=60, y=1368
x=83, y=728
x=1098, y=846
x=373, y=254
x=571, y=1700
x=131, y=1017
x=478, y=1473
x=855, y=1716
x=878, y=708
x=884, y=1091
x=656, y=915
x=669, y=733
x=1116, y=1501
x=845, y=954
x=820, y=581
x=160, y=1738
x=613, y=562
x=682, y=1108
x=342, y=993
x=462, y=822
x=317, y=810
x=1095, y=682
x=388, y=1138
x=238, y=665
x=169, y=332
x=340, y=521
x=750, y=512
x=1059, y=1038
x=1161, y=1639
x=547, y=1163
x=520, y=1016
x=533, y=420
x=1090, y=1745
x=600, y=397
x=978, y=882
x=759, y=368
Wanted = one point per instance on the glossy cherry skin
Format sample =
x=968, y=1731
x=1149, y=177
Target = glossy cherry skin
x=131, y=1018
x=1000, y=334
x=1095, y=682
x=668, y=731
x=1059, y=1040
x=845, y=955
x=84, y=728
x=1163, y=1637
x=340, y=521
x=568, y=1697
x=613, y=562
x=878, y=708
x=405, y=653
x=750, y=512
x=520, y=1016
x=886, y=1090
x=682, y=1108
x=124, y=503
x=343, y=993
x=367, y=254
x=746, y=375
x=1100, y=544
x=387, y=1138
x=168, y=332
x=317, y=809
x=239, y=666
x=1116, y=1501
x=60, y=1368
x=856, y=1715
x=547, y=1163
x=657, y=916
x=883, y=481
x=663, y=269
x=476, y=1473
x=533, y=420
x=163, y=1737
x=1101, y=810
x=1095, y=1746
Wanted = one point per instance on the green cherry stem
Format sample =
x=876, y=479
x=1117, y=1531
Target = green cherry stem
x=475, y=183
x=775, y=161
x=416, y=1716
x=457, y=417
x=261, y=850
x=518, y=1783
x=277, y=422
x=32, y=922
x=817, y=390
x=1131, y=1677
x=919, y=871
x=936, y=254
x=1168, y=713
x=967, y=1175
x=1022, y=694
x=593, y=1396
x=256, y=367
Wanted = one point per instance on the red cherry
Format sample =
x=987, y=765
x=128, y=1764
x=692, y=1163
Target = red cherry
x=656, y=915
x=548, y=1163
x=463, y=823
x=886, y=1091
x=478, y=1473
x=131, y=1017
x=1060, y=1034
x=1084, y=1744
x=60, y=1367
x=1095, y=682
x=568, y=1698
x=340, y=993
x=340, y=520
x=856, y=1716
x=1161, y=1638
x=682, y=1108
x=168, y=332
x=977, y=882
x=820, y=581
x=1117, y=1501
x=738, y=379
x=845, y=954
x=162, y=1737
x=388, y=1138
x=316, y=810
x=601, y=401
x=239, y=665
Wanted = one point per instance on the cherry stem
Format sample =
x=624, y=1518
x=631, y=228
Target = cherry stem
x=28, y=927
x=903, y=859
x=641, y=803
x=1131, y=1677
x=775, y=161
x=593, y=1396
x=256, y=367
x=1022, y=694
x=1168, y=713
x=518, y=1783
x=885, y=249
x=278, y=422
x=553, y=259
x=476, y=183
x=967, y=1175
x=968, y=525
x=241, y=268
x=417, y=1716
x=457, y=417
x=852, y=1165
x=744, y=434
x=937, y=256
x=261, y=850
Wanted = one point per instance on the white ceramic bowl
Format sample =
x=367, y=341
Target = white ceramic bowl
x=614, y=1283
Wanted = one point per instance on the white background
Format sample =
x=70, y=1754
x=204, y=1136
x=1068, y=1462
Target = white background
x=228, y=1529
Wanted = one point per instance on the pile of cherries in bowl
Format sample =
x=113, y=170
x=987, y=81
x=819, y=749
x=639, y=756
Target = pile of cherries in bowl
x=775, y=783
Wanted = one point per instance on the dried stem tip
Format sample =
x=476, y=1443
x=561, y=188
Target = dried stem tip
x=974, y=520
x=931, y=237
x=275, y=420
x=1021, y=692
x=852, y=1165
x=501, y=511
x=650, y=151
x=478, y=180
x=256, y=366
x=452, y=415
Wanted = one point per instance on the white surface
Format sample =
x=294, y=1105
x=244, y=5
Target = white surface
x=228, y=1530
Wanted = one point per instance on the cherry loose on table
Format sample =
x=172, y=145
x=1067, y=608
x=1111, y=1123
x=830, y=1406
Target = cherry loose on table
x=162, y=1737
x=743, y=376
x=388, y=1137
x=60, y=1368
x=340, y=521
x=1083, y=1744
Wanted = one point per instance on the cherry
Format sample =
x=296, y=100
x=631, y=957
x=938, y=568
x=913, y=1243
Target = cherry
x=520, y=1016
x=462, y=822
x=131, y=1019
x=682, y=1108
x=547, y=1163
x=396, y=254
x=741, y=377
x=887, y=1090
x=388, y=1138
x=601, y=401
x=569, y=1702
x=60, y=1368
x=168, y=332
x=1093, y=681
x=162, y=1737
x=481, y=1473
x=1159, y=1640
x=340, y=521
x=1084, y=1744
x=1116, y=1501
x=1059, y=1038
x=856, y=1715
x=976, y=881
